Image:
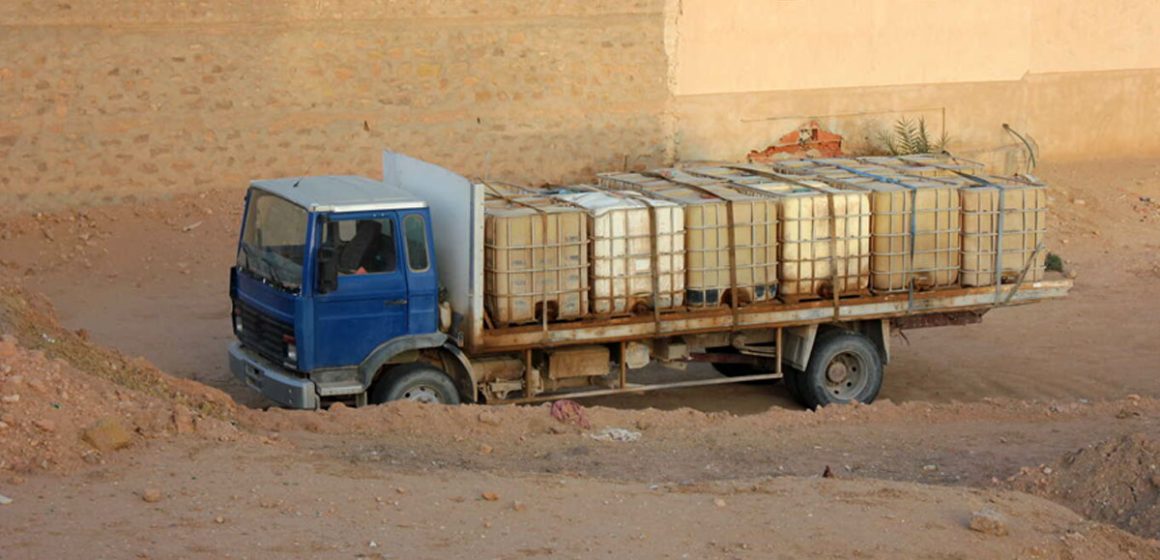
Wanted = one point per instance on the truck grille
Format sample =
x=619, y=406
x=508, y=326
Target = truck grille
x=263, y=333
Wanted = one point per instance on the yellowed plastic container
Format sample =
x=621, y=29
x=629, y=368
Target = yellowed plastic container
x=925, y=165
x=535, y=258
x=823, y=232
x=629, y=232
x=1004, y=222
x=916, y=224
x=709, y=256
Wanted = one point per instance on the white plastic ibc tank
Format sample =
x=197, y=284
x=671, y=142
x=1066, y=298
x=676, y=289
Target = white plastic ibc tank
x=622, y=232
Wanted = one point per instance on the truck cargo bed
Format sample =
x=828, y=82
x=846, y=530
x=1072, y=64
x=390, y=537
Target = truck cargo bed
x=769, y=315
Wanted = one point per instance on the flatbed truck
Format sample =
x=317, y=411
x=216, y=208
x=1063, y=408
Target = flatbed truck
x=315, y=325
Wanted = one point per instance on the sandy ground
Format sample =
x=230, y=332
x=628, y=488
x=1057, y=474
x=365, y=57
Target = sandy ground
x=270, y=502
x=727, y=472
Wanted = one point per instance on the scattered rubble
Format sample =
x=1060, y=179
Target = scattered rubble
x=1116, y=481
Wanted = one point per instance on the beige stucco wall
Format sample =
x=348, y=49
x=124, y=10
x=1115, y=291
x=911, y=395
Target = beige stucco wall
x=102, y=99
x=1079, y=76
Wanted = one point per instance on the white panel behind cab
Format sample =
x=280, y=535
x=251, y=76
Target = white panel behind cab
x=455, y=215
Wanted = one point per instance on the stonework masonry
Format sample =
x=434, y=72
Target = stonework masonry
x=106, y=99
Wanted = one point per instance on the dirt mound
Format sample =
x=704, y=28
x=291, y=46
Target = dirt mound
x=1116, y=481
x=55, y=417
x=32, y=320
x=65, y=402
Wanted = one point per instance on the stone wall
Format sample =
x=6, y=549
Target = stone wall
x=105, y=99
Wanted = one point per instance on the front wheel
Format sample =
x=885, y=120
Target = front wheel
x=844, y=367
x=417, y=382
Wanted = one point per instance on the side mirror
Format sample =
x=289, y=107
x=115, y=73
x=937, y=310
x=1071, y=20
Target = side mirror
x=327, y=270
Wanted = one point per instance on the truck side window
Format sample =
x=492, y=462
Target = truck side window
x=363, y=246
x=415, y=232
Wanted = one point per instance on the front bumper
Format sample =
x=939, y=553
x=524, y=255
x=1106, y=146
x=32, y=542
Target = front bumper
x=271, y=380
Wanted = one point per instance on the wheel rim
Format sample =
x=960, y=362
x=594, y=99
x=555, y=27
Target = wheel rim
x=423, y=394
x=845, y=377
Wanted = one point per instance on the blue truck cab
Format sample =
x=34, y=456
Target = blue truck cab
x=336, y=278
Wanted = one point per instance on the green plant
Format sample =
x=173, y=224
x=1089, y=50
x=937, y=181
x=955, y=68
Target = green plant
x=1054, y=262
x=909, y=136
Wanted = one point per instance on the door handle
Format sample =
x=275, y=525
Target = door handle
x=395, y=302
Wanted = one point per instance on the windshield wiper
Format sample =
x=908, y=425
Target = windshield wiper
x=269, y=257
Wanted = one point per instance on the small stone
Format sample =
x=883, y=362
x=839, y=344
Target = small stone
x=45, y=425
x=219, y=520
x=489, y=418
x=108, y=434
x=1156, y=480
x=519, y=506
x=485, y=449
x=719, y=502
x=373, y=544
x=1047, y=470
x=1080, y=202
x=930, y=468
x=10, y=398
x=182, y=420
x=490, y=496
x=989, y=522
x=5, y=500
x=151, y=495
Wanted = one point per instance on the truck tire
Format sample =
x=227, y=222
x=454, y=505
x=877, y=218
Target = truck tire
x=844, y=367
x=792, y=376
x=419, y=382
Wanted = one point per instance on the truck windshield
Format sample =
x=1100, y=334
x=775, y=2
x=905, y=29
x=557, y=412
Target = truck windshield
x=273, y=241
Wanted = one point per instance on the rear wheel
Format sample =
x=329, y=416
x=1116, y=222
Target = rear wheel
x=419, y=382
x=844, y=367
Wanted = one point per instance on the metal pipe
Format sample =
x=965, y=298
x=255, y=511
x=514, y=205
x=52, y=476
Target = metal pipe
x=529, y=379
x=777, y=347
x=623, y=365
x=642, y=388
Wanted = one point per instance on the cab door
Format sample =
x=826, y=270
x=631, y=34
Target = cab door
x=422, y=278
x=371, y=302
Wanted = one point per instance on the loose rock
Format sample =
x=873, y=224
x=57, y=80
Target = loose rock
x=108, y=434
x=489, y=418
x=151, y=495
x=989, y=522
x=182, y=420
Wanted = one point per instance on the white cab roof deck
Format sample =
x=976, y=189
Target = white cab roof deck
x=340, y=193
